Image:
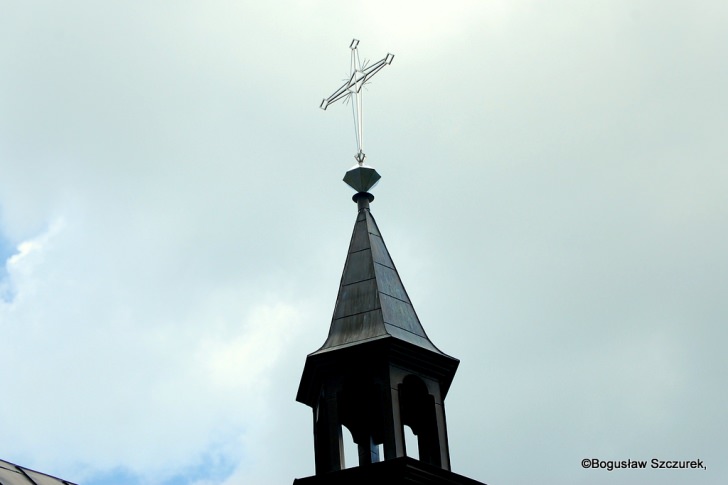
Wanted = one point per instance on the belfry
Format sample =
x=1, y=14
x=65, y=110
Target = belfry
x=377, y=371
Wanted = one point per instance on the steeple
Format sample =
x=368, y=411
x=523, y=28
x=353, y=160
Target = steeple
x=377, y=372
x=372, y=302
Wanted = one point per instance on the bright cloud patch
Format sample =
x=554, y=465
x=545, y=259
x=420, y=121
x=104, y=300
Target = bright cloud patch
x=21, y=266
x=131, y=368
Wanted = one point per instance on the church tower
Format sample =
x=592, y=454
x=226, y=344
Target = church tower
x=377, y=371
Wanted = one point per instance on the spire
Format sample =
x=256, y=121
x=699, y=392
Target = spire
x=372, y=302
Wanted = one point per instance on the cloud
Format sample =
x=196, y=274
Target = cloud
x=173, y=228
x=125, y=338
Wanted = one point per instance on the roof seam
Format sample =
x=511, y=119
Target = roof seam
x=358, y=281
x=398, y=299
x=360, y=313
x=356, y=342
x=23, y=472
x=382, y=264
x=410, y=331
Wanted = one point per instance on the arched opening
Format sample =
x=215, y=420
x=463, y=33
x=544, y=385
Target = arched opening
x=417, y=408
x=361, y=415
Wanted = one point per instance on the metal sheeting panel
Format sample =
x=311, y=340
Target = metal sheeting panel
x=389, y=283
x=7, y=465
x=11, y=474
x=401, y=314
x=357, y=298
x=355, y=328
x=360, y=236
x=372, y=224
x=401, y=334
x=359, y=267
x=42, y=479
x=8, y=477
x=379, y=252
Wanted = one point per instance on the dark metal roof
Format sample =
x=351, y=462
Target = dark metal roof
x=372, y=302
x=11, y=474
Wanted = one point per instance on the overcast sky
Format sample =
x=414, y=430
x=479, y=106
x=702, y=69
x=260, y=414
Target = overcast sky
x=173, y=228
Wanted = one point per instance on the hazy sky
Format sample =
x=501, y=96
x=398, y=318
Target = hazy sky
x=173, y=228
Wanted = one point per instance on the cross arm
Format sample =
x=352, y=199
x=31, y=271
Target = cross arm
x=356, y=79
x=377, y=66
x=338, y=94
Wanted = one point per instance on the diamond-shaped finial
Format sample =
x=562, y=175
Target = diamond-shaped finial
x=361, y=178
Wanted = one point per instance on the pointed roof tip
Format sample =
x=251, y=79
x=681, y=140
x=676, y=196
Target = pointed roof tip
x=372, y=303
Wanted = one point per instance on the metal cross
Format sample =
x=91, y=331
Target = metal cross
x=357, y=79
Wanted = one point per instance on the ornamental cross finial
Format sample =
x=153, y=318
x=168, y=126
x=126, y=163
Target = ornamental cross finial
x=358, y=77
